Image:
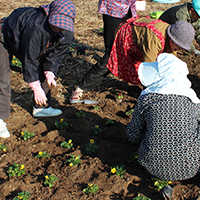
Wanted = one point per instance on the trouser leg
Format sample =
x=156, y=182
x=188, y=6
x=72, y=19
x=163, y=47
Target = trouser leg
x=5, y=90
x=93, y=77
x=99, y=71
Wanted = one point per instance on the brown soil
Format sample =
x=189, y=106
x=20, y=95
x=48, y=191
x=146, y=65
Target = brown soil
x=114, y=149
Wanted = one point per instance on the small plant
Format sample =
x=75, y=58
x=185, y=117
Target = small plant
x=43, y=155
x=119, y=95
x=96, y=107
x=91, y=188
x=161, y=184
x=49, y=179
x=25, y=135
x=100, y=29
x=16, y=170
x=188, y=53
x=16, y=62
x=22, y=195
x=109, y=122
x=119, y=170
x=67, y=145
x=80, y=114
x=91, y=147
x=96, y=129
x=133, y=158
x=130, y=112
x=74, y=160
x=139, y=197
x=3, y=147
x=61, y=124
x=75, y=47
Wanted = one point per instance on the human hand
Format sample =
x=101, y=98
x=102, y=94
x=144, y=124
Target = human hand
x=197, y=52
x=39, y=94
x=50, y=78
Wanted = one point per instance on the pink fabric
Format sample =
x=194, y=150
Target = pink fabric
x=125, y=57
x=50, y=78
x=39, y=94
x=117, y=8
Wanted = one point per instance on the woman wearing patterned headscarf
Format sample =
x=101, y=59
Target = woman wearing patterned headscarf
x=39, y=38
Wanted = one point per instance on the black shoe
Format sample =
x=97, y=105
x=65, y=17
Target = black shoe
x=166, y=192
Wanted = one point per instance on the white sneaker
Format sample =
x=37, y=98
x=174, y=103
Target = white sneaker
x=3, y=130
x=46, y=112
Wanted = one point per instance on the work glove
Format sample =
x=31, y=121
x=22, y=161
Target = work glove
x=50, y=78
x=197, y=52
x=39, y=94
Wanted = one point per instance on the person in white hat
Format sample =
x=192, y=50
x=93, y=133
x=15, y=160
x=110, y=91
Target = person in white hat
x=165, y=121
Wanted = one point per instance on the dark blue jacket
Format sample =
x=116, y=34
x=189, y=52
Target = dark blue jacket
x=28, y=36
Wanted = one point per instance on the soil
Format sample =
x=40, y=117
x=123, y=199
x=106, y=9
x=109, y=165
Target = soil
x=114, y=149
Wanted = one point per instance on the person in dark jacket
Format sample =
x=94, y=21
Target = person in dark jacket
x=39, y=38
x=189, y=12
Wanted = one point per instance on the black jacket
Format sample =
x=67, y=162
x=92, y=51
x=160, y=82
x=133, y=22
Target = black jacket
x=28, y=36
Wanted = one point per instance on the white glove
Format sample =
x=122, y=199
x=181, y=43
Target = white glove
x=50, y=78
x=39, y=94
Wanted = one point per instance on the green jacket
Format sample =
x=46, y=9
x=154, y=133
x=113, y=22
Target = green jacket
x=181, y=12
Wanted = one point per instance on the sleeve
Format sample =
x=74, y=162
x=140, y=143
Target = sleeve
x=30, y=49
x=54, y=59
x=32, y=44
x=135, y=128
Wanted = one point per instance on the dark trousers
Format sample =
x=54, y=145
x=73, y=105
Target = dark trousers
x=5, y=91
x=99, y=71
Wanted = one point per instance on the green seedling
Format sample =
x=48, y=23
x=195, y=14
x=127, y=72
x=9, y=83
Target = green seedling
x=16, y=170
x=43, y=155
x=22, y=196
x=100, y=29
x=3, y=147
x=91, y=188
x=50, y=179
x=25, y=135
x=61, y=124
x=161, y=184
x=118, y=170
x=74, y=160
x=133, y=158
x=109, y=122
x=91, y=147
x=139, y=197
x=119, y=95
x=96, y=129
x=96, y=107
x=67, y=145
x=16, y=62
x=80, y=114
x=130, y=112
